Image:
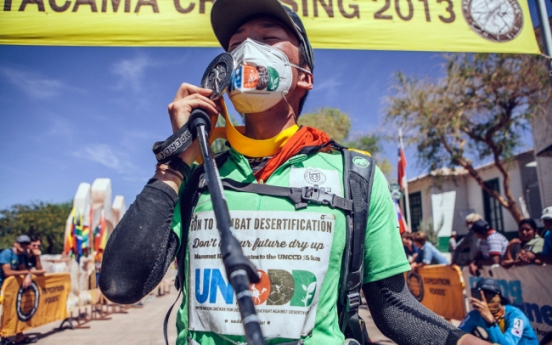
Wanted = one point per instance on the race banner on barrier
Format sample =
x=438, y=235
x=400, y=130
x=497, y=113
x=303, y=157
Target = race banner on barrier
x=44, y=301
x=440, y=289
x=528, y=288
x=500, y=26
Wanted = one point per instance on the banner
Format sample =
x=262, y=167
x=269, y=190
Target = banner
x=44, y=301
x=440, y=289
x=501, y=26
x=527, y=288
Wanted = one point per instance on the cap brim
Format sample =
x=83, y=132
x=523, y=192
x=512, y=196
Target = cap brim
x=228, y=15
x=548, y=216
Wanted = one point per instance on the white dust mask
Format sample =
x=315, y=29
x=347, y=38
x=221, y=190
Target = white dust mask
x=261, y=78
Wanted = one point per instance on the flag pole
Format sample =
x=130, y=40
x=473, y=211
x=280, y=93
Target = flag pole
x=406, y=197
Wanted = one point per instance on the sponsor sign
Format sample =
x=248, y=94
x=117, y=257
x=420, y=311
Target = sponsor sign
x=291, y=252
x=527, y=288
x=44, y=301
x=429, y=25
x=440, y=289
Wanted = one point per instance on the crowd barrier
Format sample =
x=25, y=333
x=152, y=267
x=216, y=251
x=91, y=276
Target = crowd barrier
x=440, y=288
x=528, y=288
x=43, y=302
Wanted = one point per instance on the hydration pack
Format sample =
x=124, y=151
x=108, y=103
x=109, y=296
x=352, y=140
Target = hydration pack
x=358, y=177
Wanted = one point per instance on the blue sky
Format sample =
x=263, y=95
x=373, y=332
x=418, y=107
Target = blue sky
x=73, y=114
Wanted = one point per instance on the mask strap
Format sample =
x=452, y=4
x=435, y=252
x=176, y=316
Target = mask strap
x=289, y=105
x=301, y=68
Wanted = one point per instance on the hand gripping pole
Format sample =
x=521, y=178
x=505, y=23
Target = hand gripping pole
x=240, y=271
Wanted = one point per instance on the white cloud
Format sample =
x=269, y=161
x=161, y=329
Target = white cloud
x=106, y=156
x=330, y=86
x=131, y=72
x=34, y=85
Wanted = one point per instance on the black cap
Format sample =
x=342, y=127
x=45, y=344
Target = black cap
x=488, y=284
x=481, y=227
x=23, y=239
x=228, y=15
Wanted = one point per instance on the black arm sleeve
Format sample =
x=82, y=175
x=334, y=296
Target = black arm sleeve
x=141, y=247
x=403, y=319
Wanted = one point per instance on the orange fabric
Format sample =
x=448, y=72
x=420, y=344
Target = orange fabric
x=305, y=136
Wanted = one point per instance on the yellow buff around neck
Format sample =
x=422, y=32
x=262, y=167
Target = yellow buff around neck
x=252, y=147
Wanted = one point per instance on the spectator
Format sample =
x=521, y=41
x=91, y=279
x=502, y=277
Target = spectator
x=452, y=241
x=546, y=254
x=31, y=258
x=528, y=241
x=409, y=248
x=491, y=247
x=428, y=254
x=12, y=265
x=466, y=248
x=494, y=320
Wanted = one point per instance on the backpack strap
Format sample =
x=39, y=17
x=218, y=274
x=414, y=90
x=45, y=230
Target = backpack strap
x=358, y=173
x=300, y=197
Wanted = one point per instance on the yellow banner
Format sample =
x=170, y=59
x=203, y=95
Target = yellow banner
x=502, y=26
x=41, y=303
x=440, y=289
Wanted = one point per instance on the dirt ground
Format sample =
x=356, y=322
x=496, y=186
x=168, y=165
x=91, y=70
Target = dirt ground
x=139, y=325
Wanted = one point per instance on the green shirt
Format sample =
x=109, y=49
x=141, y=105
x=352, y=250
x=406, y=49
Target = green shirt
x=297, y=252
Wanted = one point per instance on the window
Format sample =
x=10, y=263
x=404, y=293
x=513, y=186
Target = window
x=493, y=210
x=415, y=200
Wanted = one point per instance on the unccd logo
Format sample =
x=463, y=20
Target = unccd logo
x=276, y=287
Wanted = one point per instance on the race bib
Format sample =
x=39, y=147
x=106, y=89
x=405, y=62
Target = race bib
x=291, y=251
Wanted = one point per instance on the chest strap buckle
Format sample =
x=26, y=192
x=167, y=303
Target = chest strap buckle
x=317, y=195
x=353, y=301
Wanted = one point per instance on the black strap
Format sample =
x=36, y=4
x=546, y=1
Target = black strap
x=299, y=196
x=174, y=145
x=166, y=321
x=359, y=176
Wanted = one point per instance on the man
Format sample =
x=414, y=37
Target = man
x=428, y=254
x=32, y=259
x=467, y=247
x=12, y=264
x=494, y=320
x=491, y=247
x=298, y=298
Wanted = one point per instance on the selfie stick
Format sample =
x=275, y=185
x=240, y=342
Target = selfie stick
x=239, y=270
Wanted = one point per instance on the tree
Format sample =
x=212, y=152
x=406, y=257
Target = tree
x=337, y=125
x=37, y=219
x=476, y=112
x=333, y=121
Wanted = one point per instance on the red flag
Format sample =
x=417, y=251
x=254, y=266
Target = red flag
x=400, y=218
x=402, y=169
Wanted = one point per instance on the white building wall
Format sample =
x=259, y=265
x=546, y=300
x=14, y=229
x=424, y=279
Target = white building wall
x=544, y=168
x=469, y=195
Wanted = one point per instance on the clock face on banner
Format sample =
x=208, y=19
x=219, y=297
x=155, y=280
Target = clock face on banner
x=495, y=20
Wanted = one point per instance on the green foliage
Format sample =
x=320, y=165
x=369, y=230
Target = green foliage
x=370, y=143
x=337, y=125
x=475, y=113
x=333, y=121
x=37, y=219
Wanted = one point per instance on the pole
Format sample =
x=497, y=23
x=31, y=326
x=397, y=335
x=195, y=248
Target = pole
x=406, y=197
x=546, y=34
x=239, y=270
